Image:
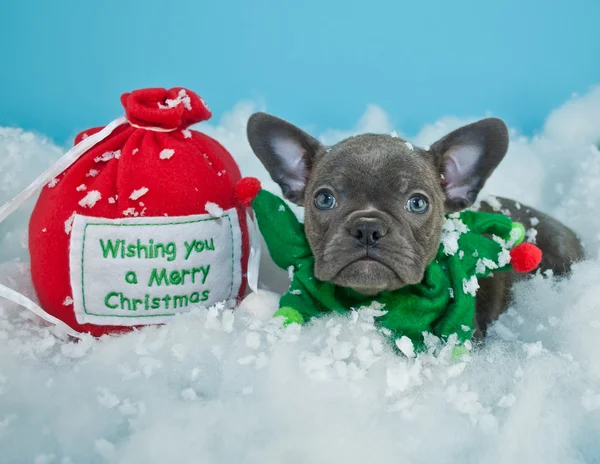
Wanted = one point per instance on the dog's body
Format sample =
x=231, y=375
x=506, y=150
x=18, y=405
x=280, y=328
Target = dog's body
x=375, y=204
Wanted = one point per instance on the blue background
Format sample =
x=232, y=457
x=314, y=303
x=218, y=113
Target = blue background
x=317, y=63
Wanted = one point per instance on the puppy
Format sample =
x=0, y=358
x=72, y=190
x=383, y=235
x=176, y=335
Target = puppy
x=375, y=204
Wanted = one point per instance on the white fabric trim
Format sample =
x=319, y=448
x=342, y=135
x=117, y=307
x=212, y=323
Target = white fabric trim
x=145, y=270
x=151, y=128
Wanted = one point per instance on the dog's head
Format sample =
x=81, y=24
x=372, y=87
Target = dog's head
x=374, y=204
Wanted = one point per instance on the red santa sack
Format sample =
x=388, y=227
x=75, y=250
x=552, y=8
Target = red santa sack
x=144, y=224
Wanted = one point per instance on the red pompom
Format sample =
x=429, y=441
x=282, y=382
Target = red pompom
x=247, y=189
x=525, y=257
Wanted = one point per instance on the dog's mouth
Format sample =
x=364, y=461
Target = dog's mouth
x=368, y=275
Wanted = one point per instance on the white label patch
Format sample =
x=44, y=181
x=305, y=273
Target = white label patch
x=136, y=271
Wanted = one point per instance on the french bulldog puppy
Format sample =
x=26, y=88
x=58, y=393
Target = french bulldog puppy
x=375, y=204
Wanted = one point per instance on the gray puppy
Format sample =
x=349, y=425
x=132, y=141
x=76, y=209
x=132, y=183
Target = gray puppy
x=375, y=205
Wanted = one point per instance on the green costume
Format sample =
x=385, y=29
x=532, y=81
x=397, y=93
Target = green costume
x=442, y=304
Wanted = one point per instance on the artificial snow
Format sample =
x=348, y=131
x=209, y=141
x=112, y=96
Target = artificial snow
x=213, y=209
x=90, y=200
x=452, y=229
x=470, y=285
x=405, y=345
x=137, y=194
x=531, y=235
x=69, y=223
x=108, y=156
x=167, y=153
x=182, y=98
x=334, y=390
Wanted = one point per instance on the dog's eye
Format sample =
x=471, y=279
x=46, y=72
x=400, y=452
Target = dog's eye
x=325, y=200
x=417, y=204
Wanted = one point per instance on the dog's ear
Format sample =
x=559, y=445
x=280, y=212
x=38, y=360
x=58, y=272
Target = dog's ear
x=467, y=157
x=285, y=150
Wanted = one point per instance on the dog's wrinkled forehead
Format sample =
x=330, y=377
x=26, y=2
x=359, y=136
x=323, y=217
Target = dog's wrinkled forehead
x=371, y=164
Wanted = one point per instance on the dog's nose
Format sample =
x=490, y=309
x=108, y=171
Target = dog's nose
x=368, y=232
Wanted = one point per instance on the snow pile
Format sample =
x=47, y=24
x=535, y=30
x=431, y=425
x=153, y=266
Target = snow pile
x=217, y=386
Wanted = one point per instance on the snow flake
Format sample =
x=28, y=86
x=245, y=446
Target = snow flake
x=253, y=340
x=296, y=292
x=451, y=292
x=405, y=345
x=281, y=208
x=590, y=400
x=246, y=360
x=90, y=199
x=533, y=349
x=534, y=221
x=189, y=394
x=203, y=103
x=507, y=401
x=187, y=134
x=112, y=200
x=134, y=151
x=452, y=230
x=531, y=235
x=553, y=321
x=68, y=301
x=483, y=264
x=69, y=223
x=130, y=212
x=107, y=399
x=470, y=286
x=136, y=194
x=291, y=272
x=167, y=153
x=81, y=188
x=493, y=202
x=465, y=328
x=182, y=97
x=53, y=183
x=44, y=230
x=409, y=146
x=394, y=134
x=108, y=156
x=92, y=173
x=503, y=258
x=213, y=209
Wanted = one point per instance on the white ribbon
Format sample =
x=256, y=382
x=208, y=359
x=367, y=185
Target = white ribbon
x=254, y=259
x=57, y=168
x=22, y=300
x=12, y=205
